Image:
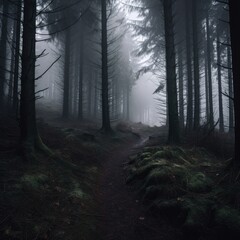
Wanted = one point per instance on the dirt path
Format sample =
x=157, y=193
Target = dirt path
x=121, y=215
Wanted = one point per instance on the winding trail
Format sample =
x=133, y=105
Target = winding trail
x=121, y=215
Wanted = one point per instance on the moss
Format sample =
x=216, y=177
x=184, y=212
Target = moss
x=158, y=176
x=164, y=191
x=142, y=172
x=169, y=153
x=144, y=162
x=180, y=151
x=149, y=161
x=152, y=149
x=199, y=215
x=34, y=181
x=145, y=155
x=159, y=154
x=181, y=173
x=170, y=181
x=77, y=191
x=199, y=183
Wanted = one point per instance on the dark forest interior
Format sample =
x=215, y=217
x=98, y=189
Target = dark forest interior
x=119, y=120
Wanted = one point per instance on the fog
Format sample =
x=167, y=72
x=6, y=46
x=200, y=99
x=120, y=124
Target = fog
x=143, y=103
x=83, y=59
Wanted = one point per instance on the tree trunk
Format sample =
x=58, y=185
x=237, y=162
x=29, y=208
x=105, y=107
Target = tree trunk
x=117, y=100
x=230, y=92
x=75, y=89
x=180, y=90
x=209, y=64
x=189, y=123
x=3, y=53
x=173, y=133
x=106, y=126
x=124, y=100
x=206, y=85
x=90, y=93
x=234, y=10
x=66, y=84
x=95, y=94
x=29, y=138
x=80, y=91
x=17, y=55
x=113, y=99
x=128, y=103
x=220, y=101
x=10, y=85
x=195, y=29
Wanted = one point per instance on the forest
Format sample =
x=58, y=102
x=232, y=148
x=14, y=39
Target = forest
x=119, y=120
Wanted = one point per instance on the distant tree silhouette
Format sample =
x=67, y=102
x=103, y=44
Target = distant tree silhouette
x=106, y=126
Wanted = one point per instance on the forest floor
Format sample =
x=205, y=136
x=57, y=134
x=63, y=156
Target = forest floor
x=81, y=193
x=122, y=216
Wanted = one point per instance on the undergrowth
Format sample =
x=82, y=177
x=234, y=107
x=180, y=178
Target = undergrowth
x=184, y=187
x=53, y=197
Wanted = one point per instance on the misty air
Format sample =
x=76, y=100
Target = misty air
x=119, y=120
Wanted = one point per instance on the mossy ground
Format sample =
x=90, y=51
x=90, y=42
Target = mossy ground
x=183, y=187
x=48, y=198
x=53, y=197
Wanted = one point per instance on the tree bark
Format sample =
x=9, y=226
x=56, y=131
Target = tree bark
x=29, y=137
x=75, y=89
x=17, y=55
x=80, y=90
x=206, y=85
x=195, y=29
x=220, y=101
x=189, y=123
x=180, y=90
x=3, y=53
x=10, y=85
x=66, y=83
x=90, y=78
x=128, y=103
x=234, y=9
x=230, y=92
x=209, y=65
x=106, y=126
x=95, y=94
x=173, y=133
